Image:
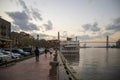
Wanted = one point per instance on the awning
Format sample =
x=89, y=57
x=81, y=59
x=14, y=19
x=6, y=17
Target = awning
x=5, y=39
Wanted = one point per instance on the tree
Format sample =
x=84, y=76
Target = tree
x=26, y=42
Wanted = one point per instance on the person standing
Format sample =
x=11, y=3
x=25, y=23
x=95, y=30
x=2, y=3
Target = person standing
x=37, y=54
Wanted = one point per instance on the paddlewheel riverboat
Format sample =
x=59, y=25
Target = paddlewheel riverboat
x=69, y=46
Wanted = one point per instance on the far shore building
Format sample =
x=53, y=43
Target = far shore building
x=5, y=30
x=118, y=44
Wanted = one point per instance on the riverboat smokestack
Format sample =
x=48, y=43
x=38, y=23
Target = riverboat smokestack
x=76, y=38
x=58, y=36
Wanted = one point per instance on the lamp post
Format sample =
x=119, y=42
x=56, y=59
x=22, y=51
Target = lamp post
x=37, y=37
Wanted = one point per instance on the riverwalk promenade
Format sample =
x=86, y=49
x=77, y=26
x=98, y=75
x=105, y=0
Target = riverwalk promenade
x=29, y=69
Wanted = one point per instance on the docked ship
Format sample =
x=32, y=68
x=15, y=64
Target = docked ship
x=69, y=46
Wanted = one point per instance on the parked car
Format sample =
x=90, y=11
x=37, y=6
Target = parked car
x=13, y=55
x=28, y=49
x=20, y=51
x=4, y=57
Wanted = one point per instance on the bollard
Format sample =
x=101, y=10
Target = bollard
x=55, y=57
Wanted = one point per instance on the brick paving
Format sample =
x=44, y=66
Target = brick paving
x=29, y=70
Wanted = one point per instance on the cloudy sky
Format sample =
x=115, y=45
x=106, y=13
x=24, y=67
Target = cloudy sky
x=87, y=19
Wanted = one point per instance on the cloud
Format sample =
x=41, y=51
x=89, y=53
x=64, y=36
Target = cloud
x=21, y=19
x=33, y=12
x=84, y=37
x=22, y=3
x=91, y=27
x=109, y=29
x=48, y=25
x=36, y=15
x=114, y=26
x=107, y=34
x=64, y=34
x=14, y=27
x=117, y=21
x=99, y=35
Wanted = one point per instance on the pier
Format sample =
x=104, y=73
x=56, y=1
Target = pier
x=29, y=70
x=49, y=67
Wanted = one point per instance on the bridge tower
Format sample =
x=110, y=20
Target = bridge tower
x=107, y=41
x=58, y=36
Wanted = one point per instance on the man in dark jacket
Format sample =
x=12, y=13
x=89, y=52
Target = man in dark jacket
x=37, y=54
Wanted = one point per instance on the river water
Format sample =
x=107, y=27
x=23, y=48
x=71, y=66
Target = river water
x=97, y=63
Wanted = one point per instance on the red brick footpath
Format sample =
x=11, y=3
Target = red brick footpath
x=29, y=70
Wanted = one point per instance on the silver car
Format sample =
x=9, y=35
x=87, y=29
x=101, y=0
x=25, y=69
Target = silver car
x=13, y=55
x=4, y=57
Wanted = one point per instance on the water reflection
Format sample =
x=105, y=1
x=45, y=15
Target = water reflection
x=73, y=58
x=107, y=56
x=97, y=63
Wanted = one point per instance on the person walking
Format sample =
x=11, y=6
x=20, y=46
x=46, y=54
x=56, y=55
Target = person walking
x=51, y=51
x=37, y=54
x=46, y=51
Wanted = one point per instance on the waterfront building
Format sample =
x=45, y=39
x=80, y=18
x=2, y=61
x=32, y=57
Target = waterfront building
x=16, y=37
x=5, y=30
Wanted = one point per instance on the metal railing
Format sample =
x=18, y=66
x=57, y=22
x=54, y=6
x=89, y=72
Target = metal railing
x=68, y=71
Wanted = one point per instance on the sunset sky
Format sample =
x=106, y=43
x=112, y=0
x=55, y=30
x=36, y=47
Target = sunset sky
x=86, y=19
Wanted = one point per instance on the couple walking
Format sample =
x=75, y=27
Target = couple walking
x=48, y=50
x=36, y=51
